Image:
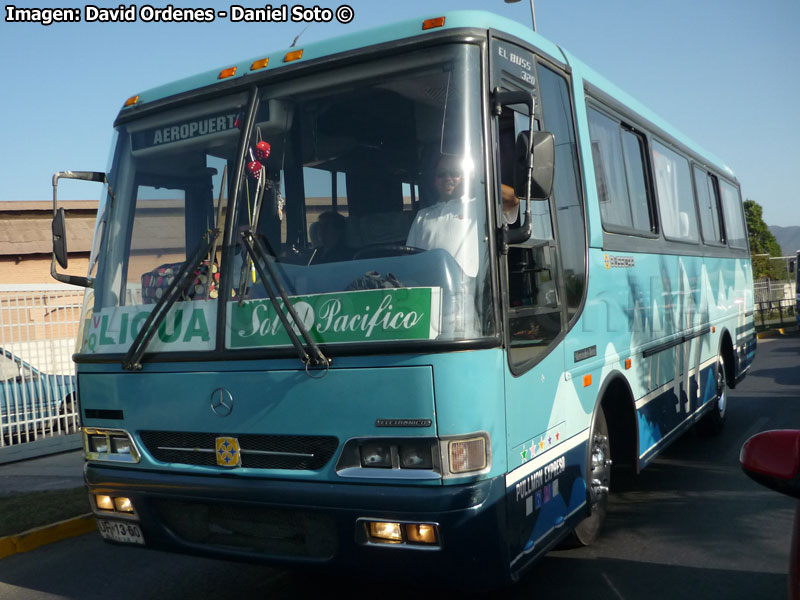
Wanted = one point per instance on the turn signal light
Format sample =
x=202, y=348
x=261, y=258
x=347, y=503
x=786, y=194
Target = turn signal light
x=468, y=455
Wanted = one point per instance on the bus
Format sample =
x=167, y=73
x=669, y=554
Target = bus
x=399, y=302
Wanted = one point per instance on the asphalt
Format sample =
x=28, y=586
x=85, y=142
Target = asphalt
x=54, y=472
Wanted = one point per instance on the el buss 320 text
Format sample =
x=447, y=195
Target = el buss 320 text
x=169, y=14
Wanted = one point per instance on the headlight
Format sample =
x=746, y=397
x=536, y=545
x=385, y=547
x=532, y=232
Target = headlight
x=376, y=455
x=390, y=457
x=416, y=457
x=114, y=445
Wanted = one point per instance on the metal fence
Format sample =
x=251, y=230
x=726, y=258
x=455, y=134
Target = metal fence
x=775, y=304
x=38, y=392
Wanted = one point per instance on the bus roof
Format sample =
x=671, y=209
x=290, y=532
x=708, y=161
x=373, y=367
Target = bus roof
x=410, y=29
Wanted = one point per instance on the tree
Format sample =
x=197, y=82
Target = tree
x=762, y=242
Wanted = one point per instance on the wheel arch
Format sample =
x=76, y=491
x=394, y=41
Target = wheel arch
x=729, y=356
x=616, y=399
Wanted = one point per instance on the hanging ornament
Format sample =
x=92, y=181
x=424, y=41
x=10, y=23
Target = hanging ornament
x=254, y=169
x=262, y=150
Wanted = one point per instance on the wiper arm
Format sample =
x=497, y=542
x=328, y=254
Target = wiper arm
x=311, y=355
x=185, y=276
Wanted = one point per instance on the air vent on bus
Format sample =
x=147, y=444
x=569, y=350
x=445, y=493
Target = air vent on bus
x=295, y=452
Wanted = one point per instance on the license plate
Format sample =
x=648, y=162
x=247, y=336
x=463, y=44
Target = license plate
x=117, y=531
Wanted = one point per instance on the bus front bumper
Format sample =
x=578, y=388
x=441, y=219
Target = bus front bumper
x=314, y=523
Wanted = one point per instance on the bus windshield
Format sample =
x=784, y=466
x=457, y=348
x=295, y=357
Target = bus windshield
x=365, y=185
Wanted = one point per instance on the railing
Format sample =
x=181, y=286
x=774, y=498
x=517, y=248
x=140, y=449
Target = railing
x=775, y=304
x=38, y=392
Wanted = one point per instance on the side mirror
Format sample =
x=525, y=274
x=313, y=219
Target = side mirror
x=60, y=238
x=60, y=228
x=543, y=171
x=772, y=458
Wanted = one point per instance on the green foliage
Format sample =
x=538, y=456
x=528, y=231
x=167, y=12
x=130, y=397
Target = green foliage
x=762, y=242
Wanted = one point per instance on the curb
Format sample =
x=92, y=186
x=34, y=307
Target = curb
x=771, y=333
x=40, y=536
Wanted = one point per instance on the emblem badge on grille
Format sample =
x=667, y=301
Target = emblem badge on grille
x=221, y=402
x=228, y=452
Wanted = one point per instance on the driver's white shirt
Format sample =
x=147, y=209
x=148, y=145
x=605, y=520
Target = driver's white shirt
x=451, y=226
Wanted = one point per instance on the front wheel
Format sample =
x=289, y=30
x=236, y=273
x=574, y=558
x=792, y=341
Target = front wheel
x=599, y=480
x=714, y=420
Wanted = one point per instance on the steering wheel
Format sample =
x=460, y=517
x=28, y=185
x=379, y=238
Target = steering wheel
x=382, y=250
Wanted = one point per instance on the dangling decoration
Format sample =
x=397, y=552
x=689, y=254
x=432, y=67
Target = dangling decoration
x=262, y=150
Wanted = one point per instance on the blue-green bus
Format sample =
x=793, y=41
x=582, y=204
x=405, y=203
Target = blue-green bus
x=397, y=301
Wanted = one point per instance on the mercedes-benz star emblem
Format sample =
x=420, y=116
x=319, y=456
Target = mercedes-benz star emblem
x=221, y=402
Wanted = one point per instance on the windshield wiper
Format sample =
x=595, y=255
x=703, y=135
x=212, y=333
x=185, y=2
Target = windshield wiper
x=309, y=354
x=185, y=277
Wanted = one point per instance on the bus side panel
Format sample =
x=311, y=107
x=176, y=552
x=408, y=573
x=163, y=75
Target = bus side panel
x=546, y=503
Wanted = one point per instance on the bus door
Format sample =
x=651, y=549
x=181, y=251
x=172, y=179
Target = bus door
x=544, y=485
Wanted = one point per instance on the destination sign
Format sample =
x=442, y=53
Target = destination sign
x=185, y=130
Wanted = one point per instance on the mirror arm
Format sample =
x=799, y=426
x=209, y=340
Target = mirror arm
x=86, y=282
x=95, y=176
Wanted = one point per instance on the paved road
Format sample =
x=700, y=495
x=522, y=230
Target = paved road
x=691, y=526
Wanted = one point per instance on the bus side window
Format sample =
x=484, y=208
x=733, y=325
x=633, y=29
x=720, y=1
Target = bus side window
x=534, y=307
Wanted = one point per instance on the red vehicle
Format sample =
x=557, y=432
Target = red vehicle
x=772, y=458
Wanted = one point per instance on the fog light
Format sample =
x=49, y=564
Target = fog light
x=468, y=455
x=386, y=532
x=421, y=533
x=104, y=502
x=375, y=455
x=412, y=457
x=123, y=505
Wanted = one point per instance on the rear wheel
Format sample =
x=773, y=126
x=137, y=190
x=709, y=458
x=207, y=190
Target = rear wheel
x=599, y=479
x=714, y=420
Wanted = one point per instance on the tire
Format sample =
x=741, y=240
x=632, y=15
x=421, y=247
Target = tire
x=714, y=420
x=599, y=480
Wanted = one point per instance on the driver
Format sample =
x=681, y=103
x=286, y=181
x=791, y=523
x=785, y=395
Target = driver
x=450, y=224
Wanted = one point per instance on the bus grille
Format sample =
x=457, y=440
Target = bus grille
x=265, y=531
x=295, y=452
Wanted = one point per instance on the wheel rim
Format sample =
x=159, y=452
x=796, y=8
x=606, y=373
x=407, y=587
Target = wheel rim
x=722, y=390
x=601, y=468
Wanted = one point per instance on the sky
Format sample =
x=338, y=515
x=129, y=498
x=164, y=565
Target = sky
x=724, y=72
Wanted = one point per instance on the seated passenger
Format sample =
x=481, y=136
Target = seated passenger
x=333, y=247
x=450, y=224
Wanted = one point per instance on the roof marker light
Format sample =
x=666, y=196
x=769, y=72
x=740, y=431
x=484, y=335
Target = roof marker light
x=293, y=55
x=259, y=64
x=132, y=100
x=225, y=73
x=432, y=23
